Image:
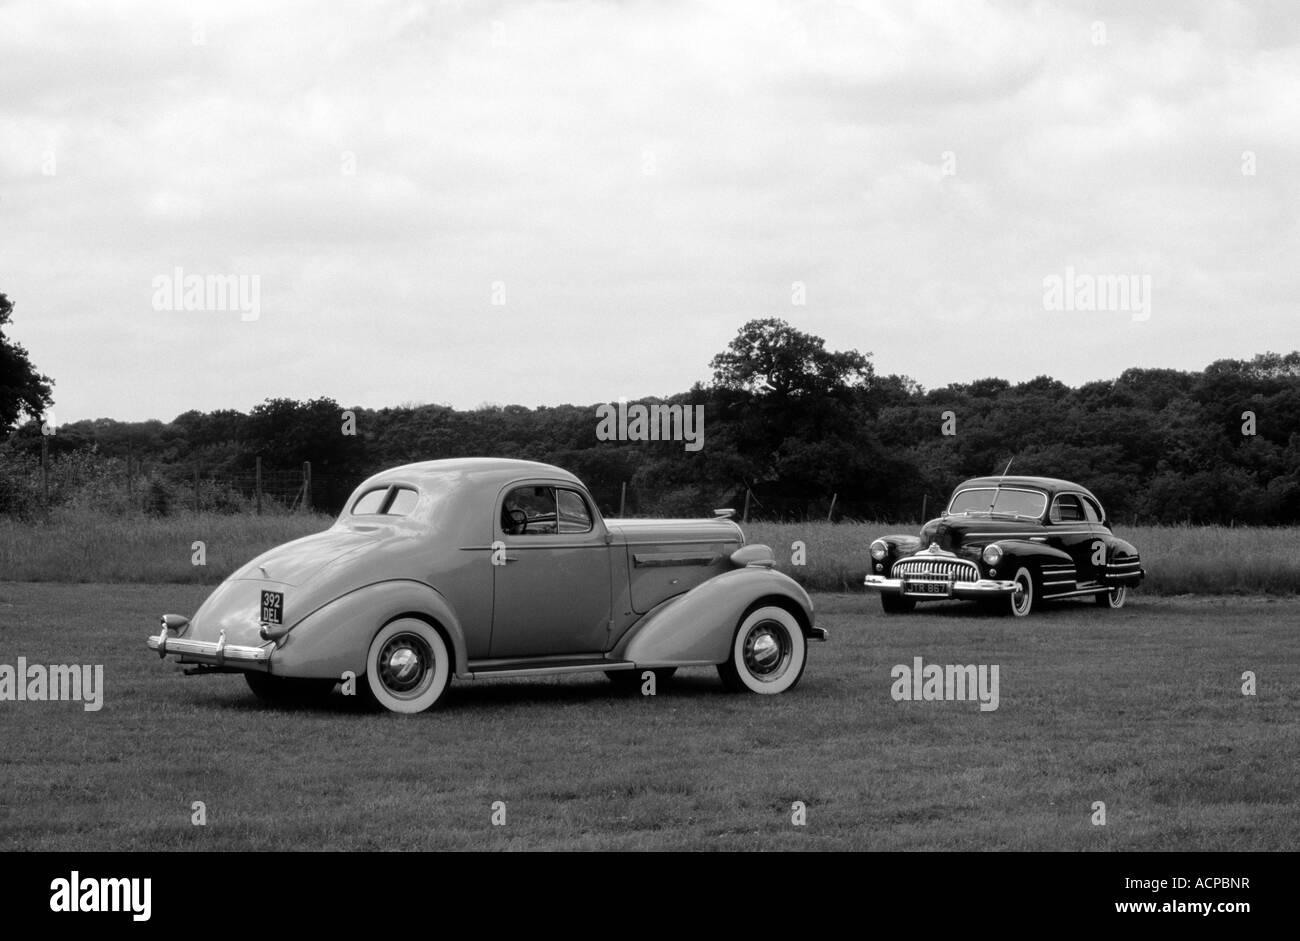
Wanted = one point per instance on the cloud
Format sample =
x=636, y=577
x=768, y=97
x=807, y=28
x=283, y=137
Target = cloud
x=635, y=180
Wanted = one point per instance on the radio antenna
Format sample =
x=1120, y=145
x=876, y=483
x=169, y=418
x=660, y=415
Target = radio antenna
x=994, y=501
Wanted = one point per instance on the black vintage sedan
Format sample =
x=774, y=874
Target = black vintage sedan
x=1010, y=542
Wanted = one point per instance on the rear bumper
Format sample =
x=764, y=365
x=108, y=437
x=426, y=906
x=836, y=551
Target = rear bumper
x=983, y=588
x=817, y=633
x=217, y=653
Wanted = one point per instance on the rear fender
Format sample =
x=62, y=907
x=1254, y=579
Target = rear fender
x=335, y=637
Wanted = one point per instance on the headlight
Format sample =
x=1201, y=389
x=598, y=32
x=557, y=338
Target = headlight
x=879, y=549
x=992, y=554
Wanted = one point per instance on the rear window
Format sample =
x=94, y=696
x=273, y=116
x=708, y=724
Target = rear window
x=386, y=501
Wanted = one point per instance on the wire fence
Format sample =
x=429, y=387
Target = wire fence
x=31, y=484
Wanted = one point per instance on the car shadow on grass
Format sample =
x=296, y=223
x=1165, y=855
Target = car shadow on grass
x=471, y=694
x=974, y=611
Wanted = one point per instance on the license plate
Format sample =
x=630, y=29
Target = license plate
x=940, y=589
x=272, y=607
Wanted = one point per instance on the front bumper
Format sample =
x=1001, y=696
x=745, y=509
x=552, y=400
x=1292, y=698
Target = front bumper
x=213, y=653
x=982, y=588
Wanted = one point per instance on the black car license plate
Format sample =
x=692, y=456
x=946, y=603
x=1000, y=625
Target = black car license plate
x=939, y=589
x=272, y=607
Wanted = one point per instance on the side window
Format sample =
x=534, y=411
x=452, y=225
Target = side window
x=370, y=502
x=404, y=500
x=1067, y=509
x=574, y=515
x=529, y=511
x=1093, y=511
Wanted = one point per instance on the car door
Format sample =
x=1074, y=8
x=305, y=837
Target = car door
x=1068, y=529
x=551, y=573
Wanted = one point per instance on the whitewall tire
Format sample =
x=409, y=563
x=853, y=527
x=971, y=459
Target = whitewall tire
x=408, y=666
x=768, y=653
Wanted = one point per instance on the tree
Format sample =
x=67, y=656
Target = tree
x=23, y=391
x=771, y=357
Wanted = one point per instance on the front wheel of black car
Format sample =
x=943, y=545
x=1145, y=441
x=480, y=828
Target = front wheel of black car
x=1021, y=602
x=1114, y=598
x=288, y=690
x=768, y=653
x=896, y=604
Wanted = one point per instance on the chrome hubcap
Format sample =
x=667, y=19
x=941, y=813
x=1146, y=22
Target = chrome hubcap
x=767, y=650
x=405, y=665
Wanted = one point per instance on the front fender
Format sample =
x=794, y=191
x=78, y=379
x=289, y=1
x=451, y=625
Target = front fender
x=698, y=627
x=1028, y=552
x=336, y=636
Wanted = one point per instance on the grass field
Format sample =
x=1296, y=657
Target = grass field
x=1139, y=708
x=87, y=547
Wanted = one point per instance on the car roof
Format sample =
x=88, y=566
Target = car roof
x=486, y=470
x=1052, y=485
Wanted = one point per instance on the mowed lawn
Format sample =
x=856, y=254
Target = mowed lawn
x=1140, y=708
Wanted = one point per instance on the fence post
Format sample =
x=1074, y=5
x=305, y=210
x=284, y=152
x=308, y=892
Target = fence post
x=306, y=486
x=831, y=513
x=622, y=500
x=925, y=498
x=257, y=485
x=196, y=490
x=45, y=469
x=745, y=516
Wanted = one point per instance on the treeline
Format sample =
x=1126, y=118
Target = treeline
x=798, y=426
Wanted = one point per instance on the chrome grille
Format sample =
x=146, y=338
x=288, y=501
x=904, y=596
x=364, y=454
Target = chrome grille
x=957, y=570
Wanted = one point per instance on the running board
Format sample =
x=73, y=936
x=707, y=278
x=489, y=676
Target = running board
x=529, y=667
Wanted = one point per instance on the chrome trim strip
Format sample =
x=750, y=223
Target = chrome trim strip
x=1082, y=591
x=669, y=559
x=1041, y=532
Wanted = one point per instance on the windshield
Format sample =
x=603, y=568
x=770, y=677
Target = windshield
x=1027, y=503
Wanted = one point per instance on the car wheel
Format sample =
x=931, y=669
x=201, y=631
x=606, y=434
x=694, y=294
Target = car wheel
x=288, y=690
x=627, y=681
x=408, y=666
x=1114, y=598
x=1022, y=601
x=768, y=653
x=896, y=604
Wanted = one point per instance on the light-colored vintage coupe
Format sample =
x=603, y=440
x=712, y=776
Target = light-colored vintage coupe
x=484, y=567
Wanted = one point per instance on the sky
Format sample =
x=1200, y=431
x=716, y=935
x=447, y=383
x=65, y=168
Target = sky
x=572, y=202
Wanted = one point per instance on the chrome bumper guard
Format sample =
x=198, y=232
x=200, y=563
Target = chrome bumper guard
x=982, y=588
x=203, y=651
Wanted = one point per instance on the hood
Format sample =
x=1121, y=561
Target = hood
x=703, y=530
x=295, y=563
x=958, y=532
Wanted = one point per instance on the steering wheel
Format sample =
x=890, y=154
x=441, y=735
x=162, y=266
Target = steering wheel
x=518, y=521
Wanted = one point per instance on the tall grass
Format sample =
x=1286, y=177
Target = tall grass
x=1178, y=559
x=88, y=546
x=85, y=546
